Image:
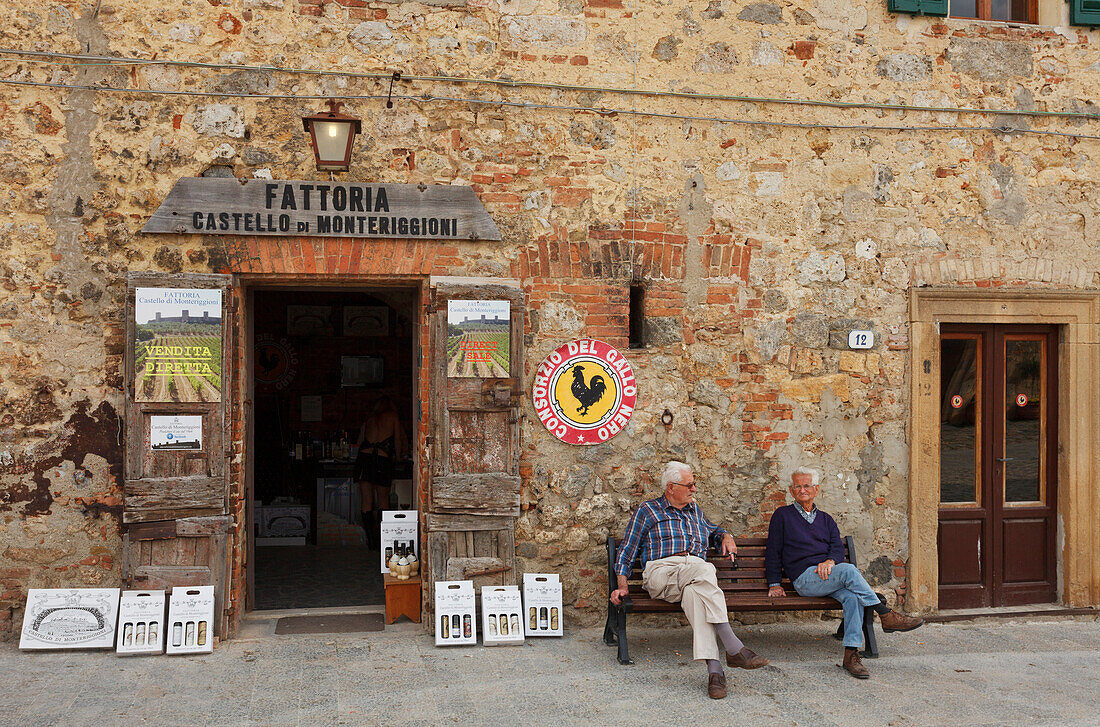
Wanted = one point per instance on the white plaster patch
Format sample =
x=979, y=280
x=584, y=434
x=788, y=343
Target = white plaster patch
x=371, y=35
x=818, y=268
x=264, y=173
x=545, y=31
x=765, y=54
x=561, y=317
x=866, y=249
x=218, y=120
x=225, y=151
x=392, y=122
x=727, y=171
x=768, y=184
x=185, y=33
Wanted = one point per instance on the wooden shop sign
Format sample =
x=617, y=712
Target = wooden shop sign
x=220, y=206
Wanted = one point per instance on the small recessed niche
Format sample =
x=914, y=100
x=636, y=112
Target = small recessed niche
x=637, y=315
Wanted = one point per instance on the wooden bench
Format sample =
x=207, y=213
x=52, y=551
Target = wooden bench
x=744, y=585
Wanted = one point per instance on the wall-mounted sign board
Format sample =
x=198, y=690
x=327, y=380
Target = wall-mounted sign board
x=584, y=392
x=479, y=335
x=219, y=206
x=178, y=351
x=175, y=432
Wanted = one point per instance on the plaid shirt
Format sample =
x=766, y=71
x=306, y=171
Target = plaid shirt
x=658, y=530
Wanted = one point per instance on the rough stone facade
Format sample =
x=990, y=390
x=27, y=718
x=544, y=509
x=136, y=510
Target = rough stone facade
x=760, y=245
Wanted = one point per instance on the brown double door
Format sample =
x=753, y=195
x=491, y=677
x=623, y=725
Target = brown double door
x=998, y=441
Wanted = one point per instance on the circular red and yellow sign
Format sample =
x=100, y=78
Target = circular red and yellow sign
x=956, y=401
x=584, y=392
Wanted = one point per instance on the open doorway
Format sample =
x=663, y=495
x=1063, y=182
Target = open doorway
x=326, y=363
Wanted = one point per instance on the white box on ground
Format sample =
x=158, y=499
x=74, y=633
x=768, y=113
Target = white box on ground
x=191, y=620
x=542, y=604
x=398, y=528
x=140, y=623
x=69, y=618
x=501, y=615
x=455, y=613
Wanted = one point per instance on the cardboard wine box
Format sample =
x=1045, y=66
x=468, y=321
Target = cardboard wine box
x=455, y=613
x=398, y=528
x=542, y=604
x=70, y=618
x=501, y=616
x=191, y=620
x=140, y=623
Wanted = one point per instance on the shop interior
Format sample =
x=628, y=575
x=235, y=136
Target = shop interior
x=325, y=363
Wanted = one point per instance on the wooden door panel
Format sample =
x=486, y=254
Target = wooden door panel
x=175, y=501
x=1025, y=550
x=480, y=441
x=994, y=552
x=477, y=494
x=961, y=542
x=473, y=497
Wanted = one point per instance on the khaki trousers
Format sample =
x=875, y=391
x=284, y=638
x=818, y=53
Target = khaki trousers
x=692, y=582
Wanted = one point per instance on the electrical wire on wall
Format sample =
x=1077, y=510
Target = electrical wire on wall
x=1005, y=128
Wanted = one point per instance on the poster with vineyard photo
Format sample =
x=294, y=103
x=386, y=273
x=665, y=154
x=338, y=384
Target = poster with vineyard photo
x=479, y=338
x=178, y=346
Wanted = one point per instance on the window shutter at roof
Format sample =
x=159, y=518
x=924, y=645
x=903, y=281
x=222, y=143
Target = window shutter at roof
x=927, y=7
x=1084, y=12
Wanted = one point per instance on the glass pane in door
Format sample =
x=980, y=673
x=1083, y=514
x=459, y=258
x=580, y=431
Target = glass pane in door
x=1023, y=409
x=960, y=409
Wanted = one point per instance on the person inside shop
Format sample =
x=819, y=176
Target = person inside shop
x=381, y=443
x=804, y=542
x=670, y=537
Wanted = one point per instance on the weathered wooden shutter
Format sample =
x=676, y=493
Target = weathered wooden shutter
x=175, y=511
x=1084, y=12
x=918, y=7
x=474, y=490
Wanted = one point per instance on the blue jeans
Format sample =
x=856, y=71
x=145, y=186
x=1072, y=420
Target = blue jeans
x=845, y=584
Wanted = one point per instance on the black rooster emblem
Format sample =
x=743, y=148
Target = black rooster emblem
x=268, y=359
x=588, y=394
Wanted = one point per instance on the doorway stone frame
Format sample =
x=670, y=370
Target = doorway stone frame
x=1077, y=312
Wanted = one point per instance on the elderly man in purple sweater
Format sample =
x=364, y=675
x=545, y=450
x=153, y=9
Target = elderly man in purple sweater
x=804, y=542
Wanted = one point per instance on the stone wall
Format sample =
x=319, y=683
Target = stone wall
x=760, y=245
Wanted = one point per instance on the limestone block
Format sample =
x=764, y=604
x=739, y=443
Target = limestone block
x=716, y=58
x=905, y=67
x=810, y=389
x=219, y=120
x=763, y=13
x=545, y=31
x=990, y=60
x=370, y=36
x=851, y=361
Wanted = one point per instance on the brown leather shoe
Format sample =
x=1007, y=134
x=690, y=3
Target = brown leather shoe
x=894, y=621
x=746, y=659
x=853, y=665
x=716, y=686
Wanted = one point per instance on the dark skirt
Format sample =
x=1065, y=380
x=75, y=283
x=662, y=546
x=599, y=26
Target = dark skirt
x=374, y=468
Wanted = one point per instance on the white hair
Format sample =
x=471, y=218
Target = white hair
x=815, y=476
x=674, y=472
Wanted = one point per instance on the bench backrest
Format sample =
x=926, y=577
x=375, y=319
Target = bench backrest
x=747, y=576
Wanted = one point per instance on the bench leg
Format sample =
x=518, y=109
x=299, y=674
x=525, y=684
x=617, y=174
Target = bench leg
x=609, y=627
x=620, y=633
x=870, y=650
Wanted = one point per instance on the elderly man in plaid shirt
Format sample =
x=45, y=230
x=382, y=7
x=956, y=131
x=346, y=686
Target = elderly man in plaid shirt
x=670, y=536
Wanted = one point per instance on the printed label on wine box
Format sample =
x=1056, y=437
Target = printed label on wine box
x=501, y=611
x=398, y=534
x=542, y=604
x=140, y=623
x=191, y=620
x=455, y=613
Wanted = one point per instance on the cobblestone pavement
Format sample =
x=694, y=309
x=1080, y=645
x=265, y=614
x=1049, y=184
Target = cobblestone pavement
x=978, y=673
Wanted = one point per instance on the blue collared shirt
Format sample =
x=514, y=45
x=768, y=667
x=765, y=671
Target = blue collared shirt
x=658, y=530
x=807, y=516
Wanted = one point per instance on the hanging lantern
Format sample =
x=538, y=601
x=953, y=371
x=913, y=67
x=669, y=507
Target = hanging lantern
x=332, y=134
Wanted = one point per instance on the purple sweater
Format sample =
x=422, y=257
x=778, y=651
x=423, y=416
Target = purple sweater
x=794, y=545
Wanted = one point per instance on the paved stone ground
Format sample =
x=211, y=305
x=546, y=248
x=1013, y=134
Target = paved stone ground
x=980, y=673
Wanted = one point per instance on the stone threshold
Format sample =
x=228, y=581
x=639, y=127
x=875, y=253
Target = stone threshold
x=968, y=614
